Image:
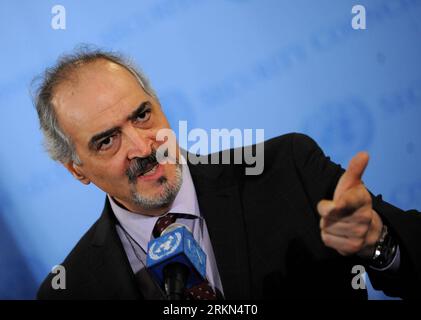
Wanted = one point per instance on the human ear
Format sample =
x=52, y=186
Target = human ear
x=77, y=172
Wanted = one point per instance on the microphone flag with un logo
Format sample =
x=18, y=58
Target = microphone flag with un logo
x=180, y=246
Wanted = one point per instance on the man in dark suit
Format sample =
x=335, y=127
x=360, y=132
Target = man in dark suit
x=298, y=229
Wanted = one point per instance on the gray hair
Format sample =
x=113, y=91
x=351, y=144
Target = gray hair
x=58, y=144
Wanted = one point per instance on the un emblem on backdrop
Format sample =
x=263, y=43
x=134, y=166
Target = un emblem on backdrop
x=341, y=128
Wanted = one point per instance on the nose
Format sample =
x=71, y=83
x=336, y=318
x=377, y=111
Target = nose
x=140, y=143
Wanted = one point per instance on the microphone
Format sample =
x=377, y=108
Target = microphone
x=176, y=261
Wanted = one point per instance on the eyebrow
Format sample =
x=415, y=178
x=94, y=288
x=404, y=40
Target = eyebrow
x=109, y=132
x=139, y=110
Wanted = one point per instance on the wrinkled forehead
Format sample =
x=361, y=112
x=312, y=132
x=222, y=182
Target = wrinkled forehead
x=96, y=93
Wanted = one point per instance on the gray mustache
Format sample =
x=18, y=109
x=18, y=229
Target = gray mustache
x=139, y=166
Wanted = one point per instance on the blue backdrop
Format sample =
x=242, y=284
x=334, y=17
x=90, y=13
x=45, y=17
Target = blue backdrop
x=278, y=65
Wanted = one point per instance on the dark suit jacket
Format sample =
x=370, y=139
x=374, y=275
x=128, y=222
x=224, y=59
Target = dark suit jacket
x=264, y=231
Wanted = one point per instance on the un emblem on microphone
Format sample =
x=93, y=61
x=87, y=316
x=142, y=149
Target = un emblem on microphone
x=165, y=246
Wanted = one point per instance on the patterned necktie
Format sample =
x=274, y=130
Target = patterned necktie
x=202, y=291
x=163, y=222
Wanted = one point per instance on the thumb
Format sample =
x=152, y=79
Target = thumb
x=352, y=175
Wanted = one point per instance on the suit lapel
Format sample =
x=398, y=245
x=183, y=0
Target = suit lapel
x=220, y=204
x=112, y=266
